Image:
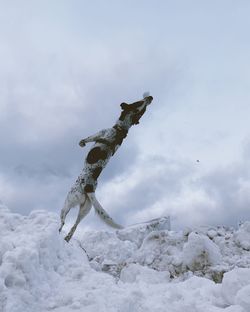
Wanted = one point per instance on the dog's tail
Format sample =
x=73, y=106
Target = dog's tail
x=103, y=215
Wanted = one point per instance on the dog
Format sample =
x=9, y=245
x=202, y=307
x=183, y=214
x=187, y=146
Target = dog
x=107, y=142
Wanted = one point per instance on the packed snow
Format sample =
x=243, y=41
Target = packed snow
x=145, y=267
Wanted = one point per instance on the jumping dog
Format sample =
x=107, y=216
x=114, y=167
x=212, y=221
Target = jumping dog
x=107, y=142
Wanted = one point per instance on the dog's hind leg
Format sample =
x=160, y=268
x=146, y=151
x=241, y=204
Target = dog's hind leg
x=83, y=211
x=65, y=210
x=103, y=215
x=73, y=199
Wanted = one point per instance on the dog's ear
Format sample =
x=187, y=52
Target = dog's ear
x=130, y=107
x=124, y=106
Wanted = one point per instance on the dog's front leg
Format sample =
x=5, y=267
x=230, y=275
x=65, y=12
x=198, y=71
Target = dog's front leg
x=92, y=138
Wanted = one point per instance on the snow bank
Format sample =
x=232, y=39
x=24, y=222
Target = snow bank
x=235, y=281
x=142, y=268
x=203, y=251
x=33, y=259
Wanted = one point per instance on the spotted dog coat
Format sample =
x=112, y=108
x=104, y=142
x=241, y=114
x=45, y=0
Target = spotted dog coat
x=107, y=142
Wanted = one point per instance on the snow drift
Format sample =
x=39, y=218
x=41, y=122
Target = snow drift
x=141, y=268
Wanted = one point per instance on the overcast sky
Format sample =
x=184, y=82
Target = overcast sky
x=65, y=66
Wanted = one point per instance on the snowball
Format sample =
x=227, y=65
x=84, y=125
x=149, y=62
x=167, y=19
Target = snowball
x=146, y=94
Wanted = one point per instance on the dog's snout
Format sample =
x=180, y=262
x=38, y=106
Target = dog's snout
x=149, y=99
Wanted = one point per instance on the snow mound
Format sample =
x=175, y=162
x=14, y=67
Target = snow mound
x=200, y=252
x=149, y=268
x=33, y=258
x=242, y=236
x=203, y=251
x=235, y=281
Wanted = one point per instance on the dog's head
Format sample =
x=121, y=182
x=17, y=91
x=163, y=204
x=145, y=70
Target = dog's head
x=131, y=113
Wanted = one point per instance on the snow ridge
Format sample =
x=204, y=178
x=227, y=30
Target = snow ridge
x=203, y=251
x=150, y=268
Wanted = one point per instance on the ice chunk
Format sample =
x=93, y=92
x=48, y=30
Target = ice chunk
x=242, y=236
x=200, y=252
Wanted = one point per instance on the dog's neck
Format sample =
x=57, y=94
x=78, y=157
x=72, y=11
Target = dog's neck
x=119, y=128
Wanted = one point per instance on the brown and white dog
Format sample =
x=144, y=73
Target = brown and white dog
x=107, y=142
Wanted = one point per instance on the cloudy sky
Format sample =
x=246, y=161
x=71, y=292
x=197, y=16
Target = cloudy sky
x=65, y=66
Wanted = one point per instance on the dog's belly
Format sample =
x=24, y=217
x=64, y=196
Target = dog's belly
x=95, y=162
x=75, y=196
